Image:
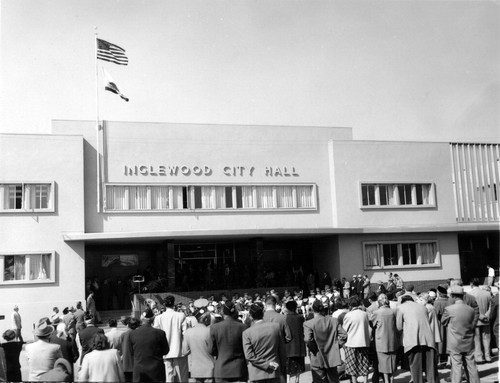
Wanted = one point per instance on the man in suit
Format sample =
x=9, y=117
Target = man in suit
x=86, y=335
x=324, y=336
x=482, y=332
x=271, y=315
x=418, y=339
x=41, y=354
x=460, y=320
x=174, y=324
x=125, y=350
x=263, y=348
x=228, y=346
x=148, y=345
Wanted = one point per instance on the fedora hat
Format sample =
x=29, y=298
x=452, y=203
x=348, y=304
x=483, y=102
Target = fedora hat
x=43, y=330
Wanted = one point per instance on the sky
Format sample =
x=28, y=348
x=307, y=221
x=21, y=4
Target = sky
x=390, y=70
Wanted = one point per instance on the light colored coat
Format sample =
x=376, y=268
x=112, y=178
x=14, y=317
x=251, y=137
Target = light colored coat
x=412, y=318
x=386, y=333
x=483, y=299
x=460, y=320
x=102, y=366
x=174, y=324
x=358, y=328
x=41, y=358
x=198, y=345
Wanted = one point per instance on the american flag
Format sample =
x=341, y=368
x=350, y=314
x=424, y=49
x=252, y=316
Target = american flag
x=111, y=52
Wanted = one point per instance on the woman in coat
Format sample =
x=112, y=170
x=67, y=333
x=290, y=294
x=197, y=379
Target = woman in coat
x=386, y=338
x=102, y=364
x=358, y=341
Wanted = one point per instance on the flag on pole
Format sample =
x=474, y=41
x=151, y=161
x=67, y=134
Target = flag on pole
x=110, y=85
x=111, y=52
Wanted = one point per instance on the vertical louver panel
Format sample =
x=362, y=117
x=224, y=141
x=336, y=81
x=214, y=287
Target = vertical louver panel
x=476, y=175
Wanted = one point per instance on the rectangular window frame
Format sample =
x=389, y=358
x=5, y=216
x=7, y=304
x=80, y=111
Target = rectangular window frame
x=28, y=255
x=410, y=194
x=400, y=254
x=215, y=196
x=28, y=197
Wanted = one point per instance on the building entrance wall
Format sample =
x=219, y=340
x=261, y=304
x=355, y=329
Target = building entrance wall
x=195, y=266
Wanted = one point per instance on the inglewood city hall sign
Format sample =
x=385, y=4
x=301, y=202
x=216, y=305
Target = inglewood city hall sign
x=204, y=170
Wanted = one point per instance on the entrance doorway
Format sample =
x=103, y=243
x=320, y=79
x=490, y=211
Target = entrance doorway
x=476, y=251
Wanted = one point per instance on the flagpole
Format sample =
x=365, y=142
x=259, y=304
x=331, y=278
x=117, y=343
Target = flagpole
x=98, y=128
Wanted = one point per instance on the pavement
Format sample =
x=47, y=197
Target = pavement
x=488, y=372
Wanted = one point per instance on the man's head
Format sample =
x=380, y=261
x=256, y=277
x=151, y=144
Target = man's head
x=9, y=335
x=410, y=287
x=406, y=298
x=291, y=306
x=43, y=330
x=442, y=291
x=229, y=309
x=354, y=302
x=16, y=308
x=475, y=282
x=372, y=297
x=170, y=301
x=256, y=311
x=457, y=292
x=133, y=323
x=147, y=316
x=112, y=323
x=318, y=307
x=55, y=309
x=271, y=301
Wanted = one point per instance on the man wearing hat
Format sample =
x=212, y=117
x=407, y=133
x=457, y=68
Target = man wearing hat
x=198, y=343
x=263, y=349
x=174, y=324
x=460, y=320
x=41, y=354
x=228, y=346
x=148, y=345
x=62, y=372
x=324, y=336
x=440, y=304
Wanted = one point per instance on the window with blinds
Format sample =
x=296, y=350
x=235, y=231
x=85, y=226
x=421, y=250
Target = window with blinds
x=385, y=255
x=375, y=195
x=209, y=197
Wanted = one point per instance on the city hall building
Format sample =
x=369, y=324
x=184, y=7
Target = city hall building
x=229, y=208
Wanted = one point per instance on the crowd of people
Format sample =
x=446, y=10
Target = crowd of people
x=346, y=333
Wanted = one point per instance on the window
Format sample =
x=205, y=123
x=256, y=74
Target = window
x=27, y=268
x=397, y=195
x=400, y=254
x=209, y=197
x=26, y=197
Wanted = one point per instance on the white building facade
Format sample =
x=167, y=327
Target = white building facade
x=229, y=207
